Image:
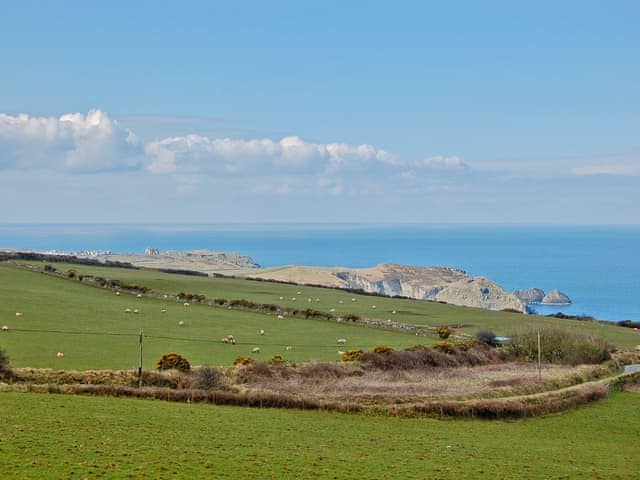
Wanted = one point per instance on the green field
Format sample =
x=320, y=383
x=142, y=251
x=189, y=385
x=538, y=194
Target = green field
x=55, y=304
x=54, y=436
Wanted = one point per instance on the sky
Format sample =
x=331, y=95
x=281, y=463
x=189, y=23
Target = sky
x=320, y=111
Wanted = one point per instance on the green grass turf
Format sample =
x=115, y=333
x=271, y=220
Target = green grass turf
x=51, y=303
x=407, y=311
x=55, y=436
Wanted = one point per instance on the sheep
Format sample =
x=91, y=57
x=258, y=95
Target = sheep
x=340, y=302
x=18, y=314
x=127, y=310
x=165, y=296
x=186, y=304
x=298, y=293
x=341, y=352
x=332, y=310
x=293, y=299
x=353, y=299
x=281, y=298
x=181, y=323
x=255, y=350
x=393, y=312
x=135, y=310
x=261, y=332
x=117, y=293
x=163, y=310
x=139, y=295
x=60, y=355
x=317, y=299
x=373, y=306
x=288, y=348
x=228, y=339
x=342, y=341
x=5, y=328
x=309, y=300
x=280, y=317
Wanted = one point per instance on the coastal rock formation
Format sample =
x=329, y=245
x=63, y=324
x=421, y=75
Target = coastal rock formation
x=442, y=284
x=555, y=297
x=205, y=261
x=531, y=296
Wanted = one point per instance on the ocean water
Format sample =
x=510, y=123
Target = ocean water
x=598, y=267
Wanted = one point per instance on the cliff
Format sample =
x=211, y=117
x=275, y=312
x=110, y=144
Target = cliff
x=555, y=297
x=425, y=283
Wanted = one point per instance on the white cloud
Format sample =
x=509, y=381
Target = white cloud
x=195, y=153
x=71, y=142
x=441, y=163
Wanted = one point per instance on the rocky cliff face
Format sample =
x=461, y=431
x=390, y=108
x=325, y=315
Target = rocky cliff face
x=425, y=283
x=531, y=296
x=555, y=297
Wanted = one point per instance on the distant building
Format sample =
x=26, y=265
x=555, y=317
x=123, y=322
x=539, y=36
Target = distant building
x=151, y=251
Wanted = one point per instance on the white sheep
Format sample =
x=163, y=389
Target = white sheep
x=298, y=293
x=261, y=332
x=340, y=302
x=127, y=310
x=393, y=312
x=342, y=341
x=317, y=299
x=186, y=304
x=353, y=299
x=281, y=298
x=293, y=299
x=5, y=328
x=181, y=323
x=288, y=348
x=139, y=295
x=332, y=310
x=163, y=310
x=165, y=296
x=373, y=306
x=135, y=310
x=117, y=293
x=255, y=350
x=309, y=300
x=18, y=314
x=341, y=352
x=280, y=317
x=59, y=354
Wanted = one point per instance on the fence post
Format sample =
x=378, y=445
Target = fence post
x=140, y=360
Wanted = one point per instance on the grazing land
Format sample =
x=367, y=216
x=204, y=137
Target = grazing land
x=86, y=437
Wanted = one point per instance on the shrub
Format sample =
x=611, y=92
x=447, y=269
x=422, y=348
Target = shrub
x=243, y=361
x=444, y=332
x=49, y=268
x=416, y=348
x=206, y=378
x=173, y=361
x=71, y=273
x=277, y=359
x=558, y=345
x=382, y=349
x=352, y=355
x=487, y=337
x=444, y=347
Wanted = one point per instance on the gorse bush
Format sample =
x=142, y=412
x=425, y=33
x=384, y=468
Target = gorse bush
x=277, y=359
x=243, y=361
x=382, y=349
x=173, y=361
x=558, y=345
x=352, y=355
x=4, y=361
x=444, y=332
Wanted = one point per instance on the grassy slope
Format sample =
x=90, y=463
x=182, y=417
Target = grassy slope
x=52, y=303
x=47, y=436
x=408, y=311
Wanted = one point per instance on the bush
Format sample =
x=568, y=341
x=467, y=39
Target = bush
x=207, y=378
x=49, y=268
x=243, y=361
x=558, y=345
x=71, y=273
x=416, y=348
x=352, y=355
x=444, y=332
x=277, y=359
x=444, y=347
x=487, y=337
x=173, y=361
x=382, y=349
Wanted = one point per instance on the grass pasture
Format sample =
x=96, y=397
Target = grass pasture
x=55, y=304
x=407, y=311
x=59, y=436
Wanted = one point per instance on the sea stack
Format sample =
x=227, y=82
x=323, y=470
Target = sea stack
x=531, y=296
x=555, y=297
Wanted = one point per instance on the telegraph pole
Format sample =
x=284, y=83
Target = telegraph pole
x=140, y=359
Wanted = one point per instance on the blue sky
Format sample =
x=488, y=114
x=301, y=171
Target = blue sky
x=500, y=112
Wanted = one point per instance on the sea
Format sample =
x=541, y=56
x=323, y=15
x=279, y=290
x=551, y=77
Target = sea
x=597, y=266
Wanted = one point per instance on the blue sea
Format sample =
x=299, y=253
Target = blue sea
x=598, y=267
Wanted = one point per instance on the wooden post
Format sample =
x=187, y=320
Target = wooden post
x=140, y=360
x=539, y=358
